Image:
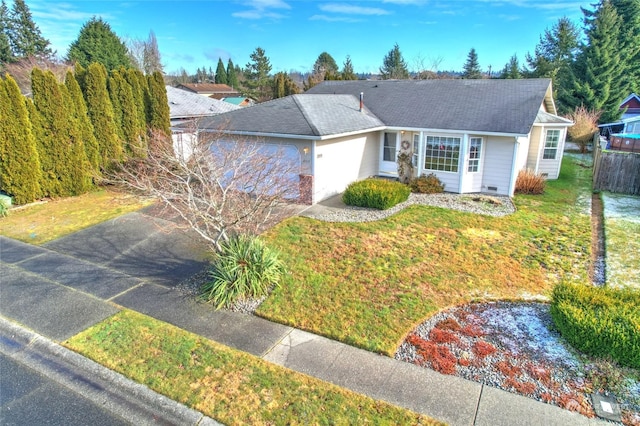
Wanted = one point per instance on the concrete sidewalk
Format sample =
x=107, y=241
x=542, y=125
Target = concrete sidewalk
x=136, y=260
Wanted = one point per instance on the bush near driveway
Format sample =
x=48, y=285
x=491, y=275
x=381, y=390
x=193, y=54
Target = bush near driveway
x=369, y=284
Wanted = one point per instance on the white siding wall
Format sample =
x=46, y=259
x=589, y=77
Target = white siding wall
x=338, y=162
x=523, y=153
x=534, y=147
x=497, y=166
x=451, y=180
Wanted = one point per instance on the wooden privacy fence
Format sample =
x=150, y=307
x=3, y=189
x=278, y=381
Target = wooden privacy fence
x=616, y=171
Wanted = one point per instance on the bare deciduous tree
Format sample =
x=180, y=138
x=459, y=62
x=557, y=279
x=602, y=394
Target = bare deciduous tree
x=217, y=185
x=21, y=70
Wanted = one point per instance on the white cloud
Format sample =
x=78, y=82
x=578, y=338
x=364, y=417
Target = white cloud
x=352, y=10
x=260, y=9
x=333, y=18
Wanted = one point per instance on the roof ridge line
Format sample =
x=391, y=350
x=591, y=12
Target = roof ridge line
x=306, y=116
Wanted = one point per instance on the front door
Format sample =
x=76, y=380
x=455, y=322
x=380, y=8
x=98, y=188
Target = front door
x=389, y=154
x=473, y=170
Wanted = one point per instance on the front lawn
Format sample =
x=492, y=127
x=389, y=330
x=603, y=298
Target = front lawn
x=228, y=385
x=622, y=239
x=41, y=222
x=369, y=284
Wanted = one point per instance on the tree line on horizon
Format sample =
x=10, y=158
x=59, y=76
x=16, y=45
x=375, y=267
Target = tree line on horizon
x=596, y=68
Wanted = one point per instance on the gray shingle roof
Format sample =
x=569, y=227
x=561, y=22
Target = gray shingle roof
x=301, y=115
x=546, y=118
x=183, y=104
x=501, y=106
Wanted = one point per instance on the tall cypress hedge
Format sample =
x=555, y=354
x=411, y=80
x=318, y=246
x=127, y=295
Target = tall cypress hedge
x=101, y=114
x=126, y=113
x=79, y=110
x=158, y=115
x=62, y=155
x=20, y=172
x=138, y=84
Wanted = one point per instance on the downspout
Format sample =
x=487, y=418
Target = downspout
x=313, y=171
x=514, y=171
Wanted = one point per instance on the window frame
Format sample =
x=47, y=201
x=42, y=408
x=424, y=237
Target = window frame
x=551, y=145
x=448, y=158
x=475, y=157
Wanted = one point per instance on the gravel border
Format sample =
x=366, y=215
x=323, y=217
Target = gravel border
x=490, y=205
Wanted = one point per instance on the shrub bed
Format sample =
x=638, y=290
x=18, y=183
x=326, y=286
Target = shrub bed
x=379, y=194
x=529, y=182
x=427, y=184
x=599, y=321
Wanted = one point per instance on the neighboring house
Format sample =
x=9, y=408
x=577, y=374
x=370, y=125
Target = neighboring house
x=475, y=135
x=210, y=90
x=186, y=108
x=630, y=106
x=240, y=101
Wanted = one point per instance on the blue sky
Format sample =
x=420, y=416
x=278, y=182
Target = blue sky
x=192, y=34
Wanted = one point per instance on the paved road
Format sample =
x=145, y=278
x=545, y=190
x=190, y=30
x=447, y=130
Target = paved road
x=27, y=397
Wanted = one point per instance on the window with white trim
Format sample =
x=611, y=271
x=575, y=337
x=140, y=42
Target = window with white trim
x=475, y=152
x=416, y=148
x=442, y=153
x=551, y=142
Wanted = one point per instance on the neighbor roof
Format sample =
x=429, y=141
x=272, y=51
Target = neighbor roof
x=207, y=88
x=183, y=104
x=485, y=105
x=298, y=115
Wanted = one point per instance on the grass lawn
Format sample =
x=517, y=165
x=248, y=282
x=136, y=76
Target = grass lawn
x=369, y=284
x=228, y=385
x=622, y=236
x=42, y=222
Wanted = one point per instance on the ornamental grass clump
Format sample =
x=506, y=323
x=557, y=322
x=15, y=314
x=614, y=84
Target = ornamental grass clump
x=426, y=184
x=529, y=182
x=378, y=194
x=600, y=321
x=244, y=269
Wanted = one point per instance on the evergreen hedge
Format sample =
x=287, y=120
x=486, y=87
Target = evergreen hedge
x=379, y=194
x=20, y=172
x=599, y=321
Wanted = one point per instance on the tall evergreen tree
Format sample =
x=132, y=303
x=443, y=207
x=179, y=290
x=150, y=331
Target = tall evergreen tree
x=98, y=43
x=629, y=12
x=221, y=74
x=347, y=70
x=101, y=114
x=126, y=113
x=512, y=69
x=24, y=35
x=62, y=155
x=325, y=67
x=79, y=110
x=5, y=46
x=158, y=115
x=257, y=74
x=393, y=65
x=138, y=84
x=20, y=172
x=283, y=85
x=232, y=77
x=598, y=78
x=472, y=66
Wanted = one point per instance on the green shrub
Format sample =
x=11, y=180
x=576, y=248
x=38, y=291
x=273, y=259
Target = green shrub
x=376, y=193
x=245, y=268
x=529, y=182
x=426, y=184
x=604, y=322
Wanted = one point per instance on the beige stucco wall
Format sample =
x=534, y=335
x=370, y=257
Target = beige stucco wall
x=338, y=162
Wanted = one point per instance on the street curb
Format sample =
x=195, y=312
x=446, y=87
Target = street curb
x=117, y=394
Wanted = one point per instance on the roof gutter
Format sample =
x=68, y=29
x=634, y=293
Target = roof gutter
x=293, y=136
